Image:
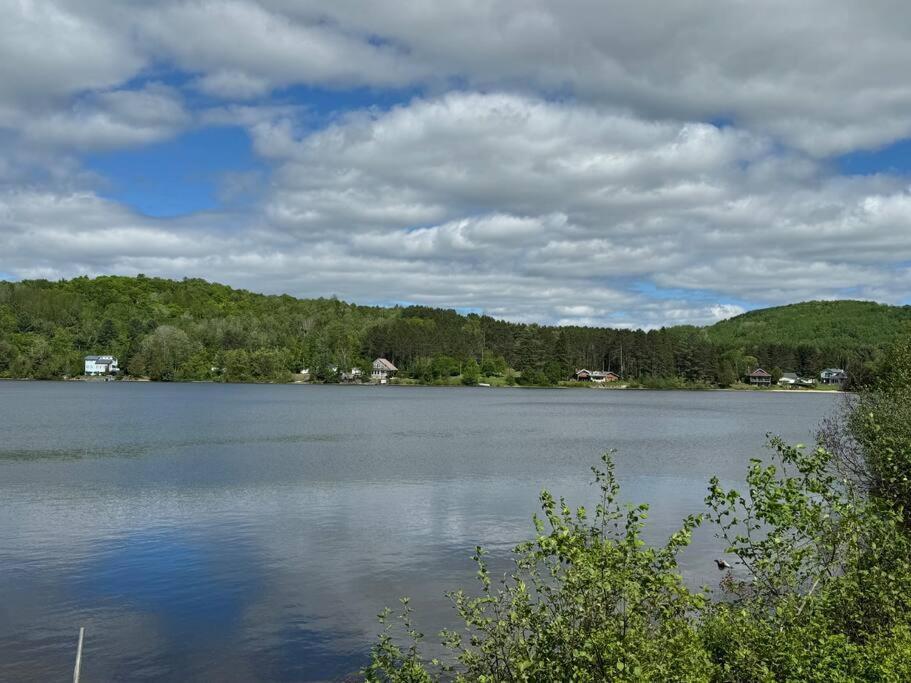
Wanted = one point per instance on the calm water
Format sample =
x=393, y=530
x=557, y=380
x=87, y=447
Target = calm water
x=242, y=533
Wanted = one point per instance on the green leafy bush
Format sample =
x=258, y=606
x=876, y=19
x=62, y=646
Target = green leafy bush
x=587, y=601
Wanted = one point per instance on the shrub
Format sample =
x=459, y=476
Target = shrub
x=586, y=601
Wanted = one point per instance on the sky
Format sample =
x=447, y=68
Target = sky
x=592, y=162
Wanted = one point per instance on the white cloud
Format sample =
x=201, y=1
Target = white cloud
x=233, y=85
x=112, y=119
x=573, y=174
x=49, y=50
x=254, y=49
x=525, y=208
x=826, y=80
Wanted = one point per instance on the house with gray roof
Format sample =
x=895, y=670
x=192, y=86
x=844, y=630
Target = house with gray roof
x=833, y=376
x=101, y=365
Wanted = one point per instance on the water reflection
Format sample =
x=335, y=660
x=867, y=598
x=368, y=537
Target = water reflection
x=253, y=533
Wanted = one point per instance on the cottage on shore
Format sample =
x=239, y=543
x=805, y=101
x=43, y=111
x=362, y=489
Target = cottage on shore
x=382, y=370
x=833, y=376
x=760, y=378
x=599, y=376
x=101, y=365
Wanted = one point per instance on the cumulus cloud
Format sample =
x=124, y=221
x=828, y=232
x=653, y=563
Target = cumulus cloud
x=773, y=66
x=53, y=49
x=525, y=208
x=573, y=176
x=112, y=119
x=559, y=190
x=824, y=79
x=255, y=49
x=820, y=78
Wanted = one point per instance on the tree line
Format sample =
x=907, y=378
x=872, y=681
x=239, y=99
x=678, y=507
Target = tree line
x=196, y=330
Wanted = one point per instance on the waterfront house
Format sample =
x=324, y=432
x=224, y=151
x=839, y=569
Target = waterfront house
x=382, y=370
x=760, y=378
x=101, y=365
x=788, y=379
x=599, y=376
x=833, y=376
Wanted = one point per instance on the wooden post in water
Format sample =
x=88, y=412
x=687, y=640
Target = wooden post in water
x=78, y=655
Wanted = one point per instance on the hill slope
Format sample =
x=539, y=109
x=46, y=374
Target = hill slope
x=845, y=323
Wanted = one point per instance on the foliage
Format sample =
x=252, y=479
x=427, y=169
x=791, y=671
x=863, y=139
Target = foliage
x=175, y=330
x=47, y=327
x=829, y=583
x=493, y=366
x=871, y=438
x=846, y=323
x=471, y=373
x=163, y=353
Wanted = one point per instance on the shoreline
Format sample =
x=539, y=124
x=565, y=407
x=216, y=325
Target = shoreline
x=583, y=387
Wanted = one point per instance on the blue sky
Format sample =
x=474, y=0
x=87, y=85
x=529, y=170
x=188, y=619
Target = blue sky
x=178, y=176
x=572, y=163
x=891, y=159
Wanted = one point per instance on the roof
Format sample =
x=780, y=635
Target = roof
x=834, y=371
x=604, y=373
x=759, y=372
x=103, y=359
x=790, y=375
x=385, y=364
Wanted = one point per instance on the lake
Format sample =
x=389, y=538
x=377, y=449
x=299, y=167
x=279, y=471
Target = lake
x=252, y=532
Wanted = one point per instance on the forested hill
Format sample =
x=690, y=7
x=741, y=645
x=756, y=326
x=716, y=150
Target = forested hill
x=194, y=329
x=850, y=323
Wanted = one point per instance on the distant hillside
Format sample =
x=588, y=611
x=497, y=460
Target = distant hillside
x=847, y=323
x=197, y=330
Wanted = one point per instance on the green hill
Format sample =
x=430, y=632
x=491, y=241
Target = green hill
x=197, y=330
x=847, y=323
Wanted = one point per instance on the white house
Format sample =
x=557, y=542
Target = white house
x=382, y=369
x=101, y=365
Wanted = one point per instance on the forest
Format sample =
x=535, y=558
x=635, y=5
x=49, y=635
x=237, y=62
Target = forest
x=196, y=330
